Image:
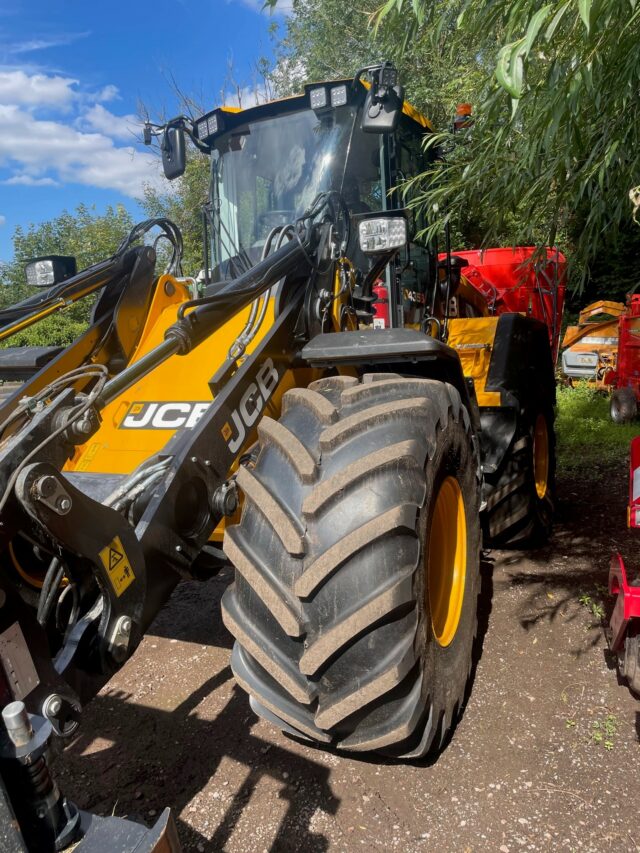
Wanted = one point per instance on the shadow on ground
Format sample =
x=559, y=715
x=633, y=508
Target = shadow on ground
x=146, y=756
x=192, y=750
x=589, y=529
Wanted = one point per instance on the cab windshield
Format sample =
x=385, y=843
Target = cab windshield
x=266, y=174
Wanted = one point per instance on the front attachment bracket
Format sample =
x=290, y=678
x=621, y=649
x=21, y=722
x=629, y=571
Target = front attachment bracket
x=90, y=533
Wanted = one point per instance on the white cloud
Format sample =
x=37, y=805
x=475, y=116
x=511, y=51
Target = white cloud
x=36, y=43
x=30, y=181
x=17, y=87
x=127, y=127
x=3, y=219
x=248, y=96
x=79, y=141
x=107, y=93
x=282, y=7
x=40, y=149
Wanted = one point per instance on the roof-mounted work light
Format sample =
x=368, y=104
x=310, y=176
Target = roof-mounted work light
x=208, y=126
x=318, y=98
x=339, y=95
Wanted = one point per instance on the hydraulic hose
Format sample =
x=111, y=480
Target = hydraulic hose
x=206, y=315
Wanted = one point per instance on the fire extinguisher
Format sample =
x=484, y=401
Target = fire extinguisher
x=381, y=305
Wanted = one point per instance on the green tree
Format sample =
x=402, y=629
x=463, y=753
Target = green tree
x=555, y=147
x=88, y=236
x=436, y=79
x=326, y=39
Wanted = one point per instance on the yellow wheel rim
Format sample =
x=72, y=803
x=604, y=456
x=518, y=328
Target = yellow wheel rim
x=447, y=561
x=541, y=456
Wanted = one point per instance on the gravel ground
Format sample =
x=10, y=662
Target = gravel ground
x=546, y=756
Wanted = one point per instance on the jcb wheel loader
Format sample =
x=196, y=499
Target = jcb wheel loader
x=368, y=461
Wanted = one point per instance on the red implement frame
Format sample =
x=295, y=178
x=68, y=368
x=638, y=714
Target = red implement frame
x=517, y=280
x=627, y=606
x=633, y=510
x=627, y=374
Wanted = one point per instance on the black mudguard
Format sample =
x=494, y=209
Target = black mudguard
x=404, y=351
x=17, y=364
x=497, y=431
x=521, y=369
x=521, y=366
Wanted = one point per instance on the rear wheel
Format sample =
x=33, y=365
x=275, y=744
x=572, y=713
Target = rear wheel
x=355, y=601
x=624, y=406
x=630, y=660
x=520, y=496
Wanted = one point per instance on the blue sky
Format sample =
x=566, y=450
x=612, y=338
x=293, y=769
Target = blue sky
x=73, y=75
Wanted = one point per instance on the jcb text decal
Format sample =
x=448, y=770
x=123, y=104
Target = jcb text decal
x=251, y=405
x=163, y=415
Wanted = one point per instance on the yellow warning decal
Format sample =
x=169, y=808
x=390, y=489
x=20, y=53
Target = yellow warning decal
x=117, y=565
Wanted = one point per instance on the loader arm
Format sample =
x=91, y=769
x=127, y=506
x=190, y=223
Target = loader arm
x=127, y=284
x=180, y=511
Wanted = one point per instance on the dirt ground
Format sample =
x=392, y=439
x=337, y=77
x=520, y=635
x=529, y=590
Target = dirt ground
x=546, y=756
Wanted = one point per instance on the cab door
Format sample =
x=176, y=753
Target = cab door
x=411, y=277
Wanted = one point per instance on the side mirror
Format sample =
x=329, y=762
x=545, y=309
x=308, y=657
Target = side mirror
x=174, y=155
x=49, y=270
x=382, y=109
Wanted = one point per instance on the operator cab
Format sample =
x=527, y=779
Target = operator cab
x=267, y=170
x=269, y=162
x=356, y=138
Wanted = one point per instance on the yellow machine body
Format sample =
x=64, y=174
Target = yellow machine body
x=473, y=340
x=140, y=422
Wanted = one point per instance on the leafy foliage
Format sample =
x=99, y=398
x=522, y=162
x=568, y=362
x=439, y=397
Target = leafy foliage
x=555, y=144
x=554, y=147
x=85, y=234
x=60, y=329
x=330, y=39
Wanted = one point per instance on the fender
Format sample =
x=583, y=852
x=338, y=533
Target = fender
x=521, y=370
x=521, y=366
x=405, y=351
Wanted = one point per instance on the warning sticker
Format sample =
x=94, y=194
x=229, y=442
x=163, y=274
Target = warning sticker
x=116, y=562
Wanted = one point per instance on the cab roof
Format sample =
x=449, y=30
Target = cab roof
x=228, y=118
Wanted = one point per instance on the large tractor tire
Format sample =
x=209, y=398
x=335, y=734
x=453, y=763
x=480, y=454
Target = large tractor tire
x=520, y=496
x=354, y=606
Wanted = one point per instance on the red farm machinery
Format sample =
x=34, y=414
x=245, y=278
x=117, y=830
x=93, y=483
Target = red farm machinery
x=625, y=379
x=624, y=627
x=519, y=280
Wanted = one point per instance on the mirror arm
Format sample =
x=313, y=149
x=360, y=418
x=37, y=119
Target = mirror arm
x=179, y=123
x=199, y=145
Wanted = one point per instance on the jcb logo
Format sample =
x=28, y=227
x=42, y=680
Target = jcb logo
x=251, y=405
x=163, y=415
